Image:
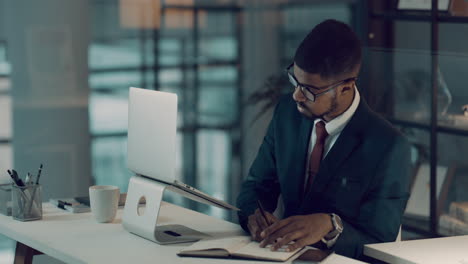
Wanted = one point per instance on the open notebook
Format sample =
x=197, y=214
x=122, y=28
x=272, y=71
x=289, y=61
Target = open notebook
x=235, y=247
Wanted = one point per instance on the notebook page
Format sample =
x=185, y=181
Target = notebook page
x=230, y=244
x=254, y=250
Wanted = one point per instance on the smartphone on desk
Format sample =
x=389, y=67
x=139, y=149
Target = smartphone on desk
x=312, y=256
x=85, y=199
x=77, y=208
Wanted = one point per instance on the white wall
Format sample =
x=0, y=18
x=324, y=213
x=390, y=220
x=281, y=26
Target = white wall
x=48, y=49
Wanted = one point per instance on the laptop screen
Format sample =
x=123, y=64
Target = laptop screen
x=152, y=127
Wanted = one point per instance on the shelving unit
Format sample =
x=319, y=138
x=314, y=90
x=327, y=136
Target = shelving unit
x=382, y=16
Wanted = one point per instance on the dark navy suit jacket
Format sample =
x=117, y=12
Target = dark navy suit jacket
x=364, y=178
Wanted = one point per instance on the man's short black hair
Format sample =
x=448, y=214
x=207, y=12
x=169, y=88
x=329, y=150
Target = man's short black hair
x=331, y=50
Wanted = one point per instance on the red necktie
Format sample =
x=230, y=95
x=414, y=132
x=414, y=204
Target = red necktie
x=317, y=154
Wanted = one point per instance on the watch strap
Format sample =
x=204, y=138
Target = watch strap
x=333, y=235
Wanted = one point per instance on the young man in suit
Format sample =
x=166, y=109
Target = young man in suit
x=342, y=171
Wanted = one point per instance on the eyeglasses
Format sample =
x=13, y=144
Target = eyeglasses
x=306, y=89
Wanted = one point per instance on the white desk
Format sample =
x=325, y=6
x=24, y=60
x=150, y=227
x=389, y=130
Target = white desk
x=444, y=250
x=77, y=238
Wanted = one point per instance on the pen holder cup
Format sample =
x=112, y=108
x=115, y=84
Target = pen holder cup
x=5, y=199
x=26, y=202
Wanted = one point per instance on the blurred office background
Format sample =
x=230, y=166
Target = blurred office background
x=66, y=66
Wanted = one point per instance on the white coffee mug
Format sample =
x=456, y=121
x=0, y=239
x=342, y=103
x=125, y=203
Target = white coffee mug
x=104, y=200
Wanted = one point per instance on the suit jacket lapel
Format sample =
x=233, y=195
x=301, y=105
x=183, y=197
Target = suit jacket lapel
x=349, y=139
x=298, y=166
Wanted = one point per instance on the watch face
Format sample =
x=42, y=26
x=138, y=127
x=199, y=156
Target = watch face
x=337, y=224
x=338, y=221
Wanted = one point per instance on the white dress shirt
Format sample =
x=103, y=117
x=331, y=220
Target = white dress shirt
x=334, y=128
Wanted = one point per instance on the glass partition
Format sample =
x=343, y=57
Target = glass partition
x=404, y=96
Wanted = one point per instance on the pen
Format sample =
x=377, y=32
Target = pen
x=262, y=211
x=12, y=177
x=61, y=204
x=28, y=178
x=18, y=179
x=39, y=174
x=35, y=189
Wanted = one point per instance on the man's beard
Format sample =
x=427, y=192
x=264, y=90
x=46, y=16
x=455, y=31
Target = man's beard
x=331, y=109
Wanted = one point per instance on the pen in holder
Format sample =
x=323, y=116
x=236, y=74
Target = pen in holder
x=26, y=202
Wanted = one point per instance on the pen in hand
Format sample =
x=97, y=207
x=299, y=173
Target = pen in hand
x=262, y=211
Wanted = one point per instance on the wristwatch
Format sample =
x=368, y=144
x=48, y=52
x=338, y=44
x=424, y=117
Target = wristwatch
x=337, y=227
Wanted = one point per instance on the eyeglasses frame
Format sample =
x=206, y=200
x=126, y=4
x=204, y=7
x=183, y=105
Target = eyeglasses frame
x=306, y=87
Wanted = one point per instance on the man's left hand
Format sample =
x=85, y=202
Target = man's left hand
x=304, y=230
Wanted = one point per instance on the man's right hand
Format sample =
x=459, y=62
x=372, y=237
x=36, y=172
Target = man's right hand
x=257, y=224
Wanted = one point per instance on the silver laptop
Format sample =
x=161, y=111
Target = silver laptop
x=152, y=127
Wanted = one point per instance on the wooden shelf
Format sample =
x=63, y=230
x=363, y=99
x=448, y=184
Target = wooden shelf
x=419, y=16
x=441, y=128
x=454, y=130
x=452, y=19
x=408, y=123
x=403, y=16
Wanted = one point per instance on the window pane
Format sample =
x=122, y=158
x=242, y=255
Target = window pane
x=213, y=156
x=218, y=48
x=115, y=80
x=217, y=105
x=219, y=23
x=108, y=112
x=5, y=117
x=170, y=77
x=170, y=51
x=116, y=54
x=4, y=69
x=217, y=31
x=299, y=19
x=218, y=73
x=109, y=156
x=452, y=66
x=6, y=162
x=218, y=95
x=412, y=84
